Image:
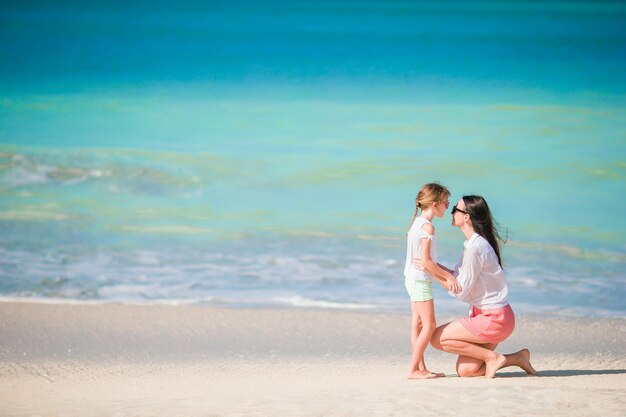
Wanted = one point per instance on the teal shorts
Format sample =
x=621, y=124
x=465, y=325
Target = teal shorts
x=419, y=290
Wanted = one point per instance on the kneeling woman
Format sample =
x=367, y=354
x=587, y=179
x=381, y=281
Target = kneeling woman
x=484, y=287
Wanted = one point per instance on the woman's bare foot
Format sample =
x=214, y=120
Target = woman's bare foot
x=420, y=375
x=492, y=366
x=523, y=361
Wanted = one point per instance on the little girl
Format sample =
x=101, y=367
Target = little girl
x=432, y=199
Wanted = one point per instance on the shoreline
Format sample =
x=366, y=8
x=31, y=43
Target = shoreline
x=114, y=359
x=520, y=309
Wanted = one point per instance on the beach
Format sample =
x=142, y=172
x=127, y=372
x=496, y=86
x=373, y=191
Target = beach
x=89, y=359
x=204, y=205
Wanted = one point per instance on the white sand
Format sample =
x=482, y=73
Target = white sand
x=120, y=360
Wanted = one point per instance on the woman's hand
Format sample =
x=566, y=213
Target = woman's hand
x=417, y=264
x=453, y=285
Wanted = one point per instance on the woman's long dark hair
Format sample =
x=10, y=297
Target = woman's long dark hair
x=483, y=222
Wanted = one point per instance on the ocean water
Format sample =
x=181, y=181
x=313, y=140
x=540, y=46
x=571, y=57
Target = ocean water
x=262, y=154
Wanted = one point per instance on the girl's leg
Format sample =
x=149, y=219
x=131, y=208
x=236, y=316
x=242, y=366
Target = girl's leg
x=416, y=328
x=426, y=312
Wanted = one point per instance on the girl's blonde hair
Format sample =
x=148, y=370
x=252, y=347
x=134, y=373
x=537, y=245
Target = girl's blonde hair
x=430, y=193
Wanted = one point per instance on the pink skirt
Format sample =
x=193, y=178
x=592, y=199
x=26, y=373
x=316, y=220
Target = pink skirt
x=493, y=325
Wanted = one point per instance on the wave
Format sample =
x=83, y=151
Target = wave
x=20, y=170
x=44, y=212
x=138, y=172
x=445, y=309
x=69, y=301
x=165, y=229
x=570, y=251
x=303, y=274
x=292, y=301
x=300, y=301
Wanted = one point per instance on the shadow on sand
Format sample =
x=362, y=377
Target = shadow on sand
x=565, y=372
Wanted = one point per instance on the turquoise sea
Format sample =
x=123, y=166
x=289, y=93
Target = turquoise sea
x=268, y=153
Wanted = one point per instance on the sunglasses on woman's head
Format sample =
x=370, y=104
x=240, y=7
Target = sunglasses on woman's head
x=455, y=209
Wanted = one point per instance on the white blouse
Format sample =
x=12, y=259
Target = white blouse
x=480, y=275
x=414, y=250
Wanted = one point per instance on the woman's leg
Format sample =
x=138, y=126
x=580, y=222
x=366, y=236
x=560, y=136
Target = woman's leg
x=466, y=366
x=521, y=358
x=425, y=312
x=454, y=338
x=477, y=356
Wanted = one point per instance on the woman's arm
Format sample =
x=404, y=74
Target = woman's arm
x=417, y=264
x=469, y=271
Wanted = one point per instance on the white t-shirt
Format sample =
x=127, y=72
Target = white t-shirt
x=480, y=275
x=414, y=250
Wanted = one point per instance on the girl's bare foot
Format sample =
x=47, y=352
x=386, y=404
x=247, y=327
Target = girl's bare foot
x=437, y=374
x=492, y=366
x=420, y=375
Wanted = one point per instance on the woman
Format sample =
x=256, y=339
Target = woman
x=484, y=287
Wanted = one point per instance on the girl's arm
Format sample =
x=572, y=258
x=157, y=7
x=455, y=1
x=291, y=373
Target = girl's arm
x=446, y=279
x=417, y=263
